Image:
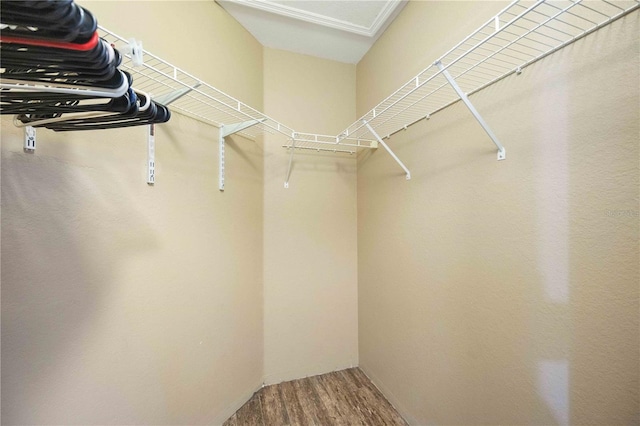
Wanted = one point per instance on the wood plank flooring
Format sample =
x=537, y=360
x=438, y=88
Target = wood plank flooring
x=344, y=397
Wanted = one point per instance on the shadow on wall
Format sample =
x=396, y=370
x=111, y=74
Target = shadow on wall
x=235, y=143
x=67, y=229
x=516, y=301
x=311, y=166
x=124, y=303
x=340, y=164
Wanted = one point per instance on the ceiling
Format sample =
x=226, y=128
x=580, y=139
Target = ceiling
x=341, y=30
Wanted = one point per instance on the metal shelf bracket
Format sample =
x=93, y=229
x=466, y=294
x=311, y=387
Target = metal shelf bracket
x=175, y=95
x=385, y=146
x=293, y=149
x=519, y=35
x=463, y=96
x=151, y=155
x=228, y=130
x=151, y=140
x=29, y=139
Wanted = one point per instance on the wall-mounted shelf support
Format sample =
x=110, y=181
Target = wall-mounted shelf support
x=463, y=96
x=293, y=150
x=135, y=51
x=151, y=155
x=166, y=99
x=521, y=34
x=381, y=142
x=342, y=144
x=29, y=139
x=228, y=130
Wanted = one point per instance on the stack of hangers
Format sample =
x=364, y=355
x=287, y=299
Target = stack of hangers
x=57, y=73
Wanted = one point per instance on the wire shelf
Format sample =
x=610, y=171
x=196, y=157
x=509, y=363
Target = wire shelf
x=326, y=143
x=204, y=102
x=518, y=36
x=210, y=105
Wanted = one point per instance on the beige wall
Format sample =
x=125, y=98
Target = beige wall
x=310, y=275
x=124, y=303
x=504, y=292
x=484, y=291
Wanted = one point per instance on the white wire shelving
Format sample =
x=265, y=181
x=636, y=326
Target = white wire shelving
x=195, y=98
x=519, y=35
x=191, y=96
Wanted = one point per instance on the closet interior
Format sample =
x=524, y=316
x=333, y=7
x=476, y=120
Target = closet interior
x=477, y=292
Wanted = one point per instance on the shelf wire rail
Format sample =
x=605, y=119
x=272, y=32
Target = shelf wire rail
x=197, y=99
x=519, y=35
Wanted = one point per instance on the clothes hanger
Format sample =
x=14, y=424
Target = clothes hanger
x=126, y=105
x=43, y=63
x=114, y=87
x=57, y=73
x=59, y=21
x=23, y=120
x=155, y=114
x=55, y=105
x=32, y=94
x=17, y=39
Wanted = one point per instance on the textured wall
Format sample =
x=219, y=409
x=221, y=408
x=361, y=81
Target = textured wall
x=310, y=276
x=124, y=303
x=504, y=292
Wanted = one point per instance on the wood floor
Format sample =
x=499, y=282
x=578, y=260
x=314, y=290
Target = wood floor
x=344, y=397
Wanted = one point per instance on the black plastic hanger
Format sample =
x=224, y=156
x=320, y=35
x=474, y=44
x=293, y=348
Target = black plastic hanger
x=56, y=72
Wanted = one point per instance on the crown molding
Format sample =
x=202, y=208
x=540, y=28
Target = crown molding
x=382, y=20
x=326, y=21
